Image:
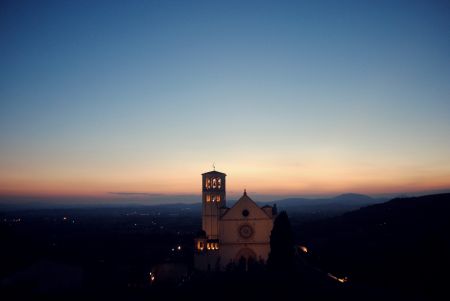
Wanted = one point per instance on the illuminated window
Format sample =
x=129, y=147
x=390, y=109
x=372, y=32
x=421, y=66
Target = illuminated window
x=200, y=245
x=214, y=183
x=208, y=183
x=216, y=246
x=208, y=198
x=208, y=246
x=219, y=183
x=215, y=198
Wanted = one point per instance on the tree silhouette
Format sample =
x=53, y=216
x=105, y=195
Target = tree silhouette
x=281, y=256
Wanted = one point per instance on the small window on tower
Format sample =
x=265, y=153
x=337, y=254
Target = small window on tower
x=214, y=183
x=208, y=183
x=208, y=198
x=219, y=183
x=218, y=198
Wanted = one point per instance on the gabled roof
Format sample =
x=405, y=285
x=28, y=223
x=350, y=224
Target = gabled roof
x=213, y=172
x=245, y=202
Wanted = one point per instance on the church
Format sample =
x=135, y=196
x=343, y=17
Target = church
x=236, y=235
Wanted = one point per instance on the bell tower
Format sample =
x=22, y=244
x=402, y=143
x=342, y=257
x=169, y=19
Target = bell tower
x=213, y=198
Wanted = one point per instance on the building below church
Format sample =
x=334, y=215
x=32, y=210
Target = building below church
x=235, y=235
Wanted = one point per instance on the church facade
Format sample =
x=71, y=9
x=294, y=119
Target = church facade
x=239, y=234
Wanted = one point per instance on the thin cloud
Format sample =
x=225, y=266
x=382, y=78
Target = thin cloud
x=126, y=193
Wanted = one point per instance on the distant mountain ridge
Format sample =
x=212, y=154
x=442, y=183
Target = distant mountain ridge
x=343, y=202
x=340, y=203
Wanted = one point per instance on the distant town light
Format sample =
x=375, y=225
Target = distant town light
x=152, y=276
x=341, y=280
x=303, y=249
x=179, y=248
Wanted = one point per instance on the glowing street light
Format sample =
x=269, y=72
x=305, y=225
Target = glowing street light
x=152, y=277
x=303, y=249
x=341, y=280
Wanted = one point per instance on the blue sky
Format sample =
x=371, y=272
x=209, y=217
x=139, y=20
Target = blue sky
x=142, y=96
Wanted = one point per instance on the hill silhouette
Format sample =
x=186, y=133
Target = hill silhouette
x=401, y=245
x=332, y=205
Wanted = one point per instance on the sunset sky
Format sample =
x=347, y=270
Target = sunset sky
x=104, y=99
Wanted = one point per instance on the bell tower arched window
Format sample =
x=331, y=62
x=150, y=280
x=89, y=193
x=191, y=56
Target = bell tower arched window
x=213, y=201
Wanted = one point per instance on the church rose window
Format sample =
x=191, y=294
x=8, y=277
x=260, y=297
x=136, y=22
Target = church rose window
x=245, y=212
x=246, y=231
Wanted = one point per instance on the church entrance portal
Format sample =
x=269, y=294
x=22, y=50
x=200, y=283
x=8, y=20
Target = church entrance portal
x=245, y=257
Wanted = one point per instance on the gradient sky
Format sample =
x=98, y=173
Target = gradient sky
x=286, y=97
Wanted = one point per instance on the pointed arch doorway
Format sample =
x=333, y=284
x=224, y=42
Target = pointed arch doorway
x=244, y=257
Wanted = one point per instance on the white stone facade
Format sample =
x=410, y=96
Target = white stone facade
x=231, y=235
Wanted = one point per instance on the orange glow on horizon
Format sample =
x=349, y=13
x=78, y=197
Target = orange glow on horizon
x=256, y=184
x=317, y=174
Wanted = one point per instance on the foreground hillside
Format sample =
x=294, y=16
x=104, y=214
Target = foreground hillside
x=403, y=245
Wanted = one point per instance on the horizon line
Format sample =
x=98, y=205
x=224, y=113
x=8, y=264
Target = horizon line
x=172, y=199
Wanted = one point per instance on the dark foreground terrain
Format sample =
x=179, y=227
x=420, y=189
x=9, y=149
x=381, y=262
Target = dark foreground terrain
x=398, y=250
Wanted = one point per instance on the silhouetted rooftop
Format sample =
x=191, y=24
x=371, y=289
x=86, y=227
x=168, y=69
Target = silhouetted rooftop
x=214, y=172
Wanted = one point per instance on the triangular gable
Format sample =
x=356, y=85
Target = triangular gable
x=243, y=203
